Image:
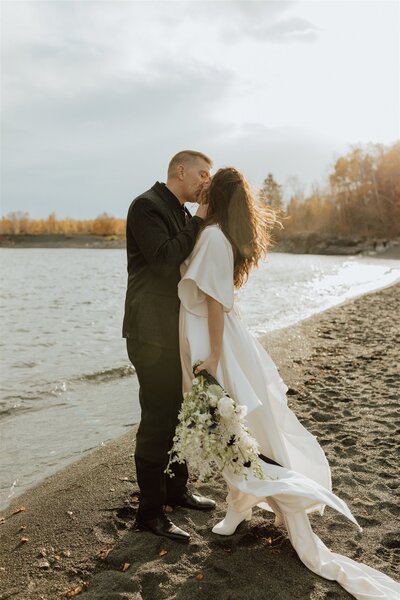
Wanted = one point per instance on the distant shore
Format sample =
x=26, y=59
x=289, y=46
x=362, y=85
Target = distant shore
x=316, y=243
x=307, y=243
x=74, y=530
x=61, y=241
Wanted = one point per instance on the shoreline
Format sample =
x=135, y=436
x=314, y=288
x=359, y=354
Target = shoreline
x=336, y=364
x=262, y=338
x=62, y=241
x=299, y=244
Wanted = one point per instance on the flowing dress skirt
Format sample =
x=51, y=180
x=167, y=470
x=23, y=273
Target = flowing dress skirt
x=303, y=483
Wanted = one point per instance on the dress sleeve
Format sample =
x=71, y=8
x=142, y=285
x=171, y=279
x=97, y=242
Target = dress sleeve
x=209, y=271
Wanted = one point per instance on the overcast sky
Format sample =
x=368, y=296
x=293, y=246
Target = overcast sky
x=98, y=95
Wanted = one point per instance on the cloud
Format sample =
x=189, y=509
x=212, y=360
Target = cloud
x=291, y=29
x=245, y=11
x=283, y=151
x=263, y=22
x=163, y=100
x=97, y=96
x=103, y=143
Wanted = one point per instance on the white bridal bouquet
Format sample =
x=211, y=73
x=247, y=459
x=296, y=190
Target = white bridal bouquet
x=211, y=432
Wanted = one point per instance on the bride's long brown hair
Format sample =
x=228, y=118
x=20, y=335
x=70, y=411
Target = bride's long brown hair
x=246, y=225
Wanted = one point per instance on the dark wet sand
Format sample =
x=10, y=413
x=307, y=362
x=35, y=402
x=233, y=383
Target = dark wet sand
x=342, y=369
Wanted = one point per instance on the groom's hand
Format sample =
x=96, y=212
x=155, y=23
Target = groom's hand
x=203, y=201
x=202, y=211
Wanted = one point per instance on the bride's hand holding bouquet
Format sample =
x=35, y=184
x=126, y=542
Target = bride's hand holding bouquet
x=211, y=432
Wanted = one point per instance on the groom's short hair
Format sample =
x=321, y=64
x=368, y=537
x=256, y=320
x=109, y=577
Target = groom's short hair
x=185, y=157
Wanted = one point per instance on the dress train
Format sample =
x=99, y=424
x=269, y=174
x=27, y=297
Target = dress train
x=360, y=580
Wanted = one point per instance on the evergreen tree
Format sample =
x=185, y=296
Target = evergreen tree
x=271, y=193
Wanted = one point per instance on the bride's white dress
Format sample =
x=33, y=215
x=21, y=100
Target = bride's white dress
x=303, y=483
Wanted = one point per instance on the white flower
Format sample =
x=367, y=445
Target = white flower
x=241, y=411
x=213, y=400
x=208, y=439
x=226, y=407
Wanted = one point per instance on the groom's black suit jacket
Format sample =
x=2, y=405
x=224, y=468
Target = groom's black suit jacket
x=160, y=234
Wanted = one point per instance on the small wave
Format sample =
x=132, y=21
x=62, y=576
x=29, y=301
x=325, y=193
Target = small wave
x=17, y=398
x=11, y=405
x=18, y=409
x=59, y=388
x=108, y=374
x=5, y=412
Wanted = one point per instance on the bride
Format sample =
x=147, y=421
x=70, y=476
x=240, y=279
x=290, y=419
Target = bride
x=297, y=479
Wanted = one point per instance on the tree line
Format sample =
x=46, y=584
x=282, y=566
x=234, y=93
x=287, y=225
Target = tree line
x=20, y=224
x=360, y=198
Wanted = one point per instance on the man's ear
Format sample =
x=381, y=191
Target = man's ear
x=181, y=172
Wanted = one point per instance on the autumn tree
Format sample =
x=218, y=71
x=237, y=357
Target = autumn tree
x=19, y=223
x=16, y=223
x=104, y=225
x=362, y=199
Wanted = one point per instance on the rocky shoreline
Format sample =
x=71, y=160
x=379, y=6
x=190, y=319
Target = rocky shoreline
x=302, y=243
x=74, y=533
x=315, y=243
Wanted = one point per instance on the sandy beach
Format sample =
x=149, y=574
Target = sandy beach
x=73, y=534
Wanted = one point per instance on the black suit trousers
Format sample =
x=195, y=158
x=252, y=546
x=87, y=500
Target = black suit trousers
x=160, y=395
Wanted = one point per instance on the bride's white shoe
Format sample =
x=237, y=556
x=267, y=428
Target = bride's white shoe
x=230, y=522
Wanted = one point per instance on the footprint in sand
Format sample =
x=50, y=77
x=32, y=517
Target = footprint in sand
x=393, y=485
x=386, y=463
x=331, y=379
x=383, y=553
x=357, y=468
x=342, y=480
x=384, y=475
x=354, y=548
x=391, y=540
x=383, y=423
x=322, y=417
x=391, y=507
x=367, y=521
x=347, y=441
x=330, y=393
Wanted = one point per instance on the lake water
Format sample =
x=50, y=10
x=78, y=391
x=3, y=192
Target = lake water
x=66, y=383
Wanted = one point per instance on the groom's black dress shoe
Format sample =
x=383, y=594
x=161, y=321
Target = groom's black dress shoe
x=188, y=500
x=163, y=526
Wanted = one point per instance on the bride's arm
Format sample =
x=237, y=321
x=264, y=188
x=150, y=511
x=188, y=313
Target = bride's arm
x=216, y=331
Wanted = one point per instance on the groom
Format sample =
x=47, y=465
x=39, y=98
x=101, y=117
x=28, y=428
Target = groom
x=160, y=234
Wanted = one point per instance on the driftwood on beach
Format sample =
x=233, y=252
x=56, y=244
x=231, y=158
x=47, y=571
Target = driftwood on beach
x=73, y=533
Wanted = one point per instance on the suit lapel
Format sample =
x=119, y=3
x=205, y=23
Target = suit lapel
x=177, y=219
x=171, y=204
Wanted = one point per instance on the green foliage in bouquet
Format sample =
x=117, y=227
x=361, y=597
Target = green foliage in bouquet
x=211, y=433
